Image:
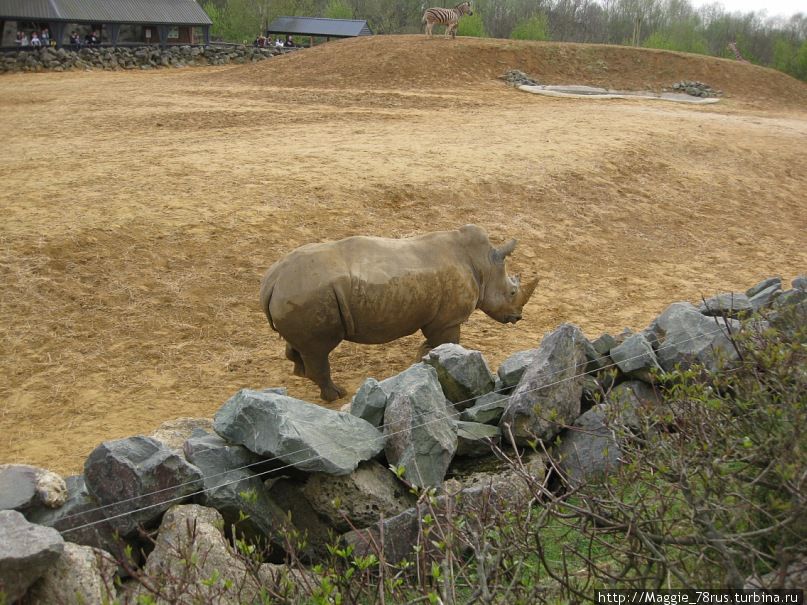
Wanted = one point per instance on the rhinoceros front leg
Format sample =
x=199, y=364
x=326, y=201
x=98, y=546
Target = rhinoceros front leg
x=318, y=369
x=436, y=336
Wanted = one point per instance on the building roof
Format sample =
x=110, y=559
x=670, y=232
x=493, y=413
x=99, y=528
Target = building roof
x=175, y=12
x=318, y=26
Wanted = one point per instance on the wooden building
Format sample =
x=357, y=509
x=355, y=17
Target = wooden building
x=118, y=22
x=318, y=27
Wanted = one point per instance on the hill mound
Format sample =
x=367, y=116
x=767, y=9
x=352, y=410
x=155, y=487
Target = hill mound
x=413, y=61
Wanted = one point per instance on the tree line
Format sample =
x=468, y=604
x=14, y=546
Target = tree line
x=677, y=25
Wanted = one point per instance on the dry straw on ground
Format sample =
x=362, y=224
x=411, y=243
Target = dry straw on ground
x=141, y=209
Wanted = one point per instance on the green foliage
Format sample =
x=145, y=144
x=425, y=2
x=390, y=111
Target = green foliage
x=338, y=9
x=472, y=25
x=682, y=37
x=534, y=28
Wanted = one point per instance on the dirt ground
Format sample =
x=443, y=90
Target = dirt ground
x=140, y=210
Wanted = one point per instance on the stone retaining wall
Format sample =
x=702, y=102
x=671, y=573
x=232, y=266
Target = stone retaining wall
x=143, y=57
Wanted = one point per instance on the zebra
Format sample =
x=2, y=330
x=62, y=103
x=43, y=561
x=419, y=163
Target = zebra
x=449, y=17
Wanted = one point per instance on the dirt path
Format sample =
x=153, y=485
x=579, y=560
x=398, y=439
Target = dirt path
x=140, y=211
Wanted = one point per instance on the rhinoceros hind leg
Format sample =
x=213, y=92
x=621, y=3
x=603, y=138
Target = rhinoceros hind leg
x=293, y=354
x=318, y=369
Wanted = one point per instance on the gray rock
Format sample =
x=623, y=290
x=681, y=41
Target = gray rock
x=789, y=298
x=487, y=409
x=25, y=487
x=475, y=440
x=764, y=298
x=729, y=304
x=604, y=344
x=233, y=489
x=81, y=575
x=792, y=576
x=307, y=436
x=369, y=402
x=358, y=499
x=513, y=368
x=800, y=282
x=138, y=479
x=628, y=397
x=192, y=562
x=688, y=337
x=588, y=450
x=596, y=360
x=764, y=285
x=398, y=536
x=548, y=395
x=464, y=375
x=174, y=433
x=420, y=428
x=81, y=520
x=635, y=356
x=26, y=552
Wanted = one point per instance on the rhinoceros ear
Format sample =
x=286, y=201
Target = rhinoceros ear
x=498, y=255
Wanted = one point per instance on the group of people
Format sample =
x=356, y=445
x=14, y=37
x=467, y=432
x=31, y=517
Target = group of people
x=42, y=38
x=263, y=42
x=37, y=39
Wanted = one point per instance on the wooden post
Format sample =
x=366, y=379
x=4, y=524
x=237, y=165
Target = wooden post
x=310, y=41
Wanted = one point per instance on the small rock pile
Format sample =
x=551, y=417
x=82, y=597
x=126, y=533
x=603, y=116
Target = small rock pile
x=696, y=89
x=515, y=78
x=271, y=466
x=124, y=57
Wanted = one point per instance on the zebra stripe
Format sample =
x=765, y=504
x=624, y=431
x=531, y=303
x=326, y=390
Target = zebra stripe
x=449, y=17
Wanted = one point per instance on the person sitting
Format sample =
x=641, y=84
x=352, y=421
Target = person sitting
x=278, y=42
x=95, y=38
x=35, y=41
x=289, y=43
x=75, y=40
x=18, y=40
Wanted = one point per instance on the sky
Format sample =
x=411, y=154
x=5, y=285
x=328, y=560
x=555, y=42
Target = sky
x=773, y=8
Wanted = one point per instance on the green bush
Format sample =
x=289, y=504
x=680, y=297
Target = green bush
x=534, y=28
x=472, y=25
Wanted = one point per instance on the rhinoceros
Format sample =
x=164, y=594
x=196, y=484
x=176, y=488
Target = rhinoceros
x=374, y=290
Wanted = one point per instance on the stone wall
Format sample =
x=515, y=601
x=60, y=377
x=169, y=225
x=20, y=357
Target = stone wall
x=143, y=57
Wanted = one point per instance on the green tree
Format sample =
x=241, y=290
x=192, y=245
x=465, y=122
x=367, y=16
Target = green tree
x=472, y=26
x=534, y=28
x=338, y=9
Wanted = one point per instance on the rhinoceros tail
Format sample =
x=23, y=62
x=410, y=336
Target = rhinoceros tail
x=267, y=287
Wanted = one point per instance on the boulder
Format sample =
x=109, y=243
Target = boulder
x=765, y=284
x=764, y=298
x=548, y=395
x=475, y=439
x=799, y=283
x=358, y=499
x=307, y=436
x=232, y=488
x=369, y=402
x=487, y=409
x=24, y=487
x=628, y=397
x=81, y=575
x=174, y=433
x=420, y=428
x=464, y=374
x=588, y=449
x=192, y=562
x=26, y=553
x=790, y=298
x=635, y=357
x=137, y=479
x=728, y=304
x=688, y=337
x=470, y=495
x=81, y=519
x=792, y=576
x=513, y=368
x=604, y=344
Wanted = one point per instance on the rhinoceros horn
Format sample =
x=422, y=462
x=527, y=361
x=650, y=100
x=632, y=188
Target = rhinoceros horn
x=499, y=254
x=526, y=291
